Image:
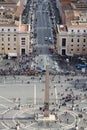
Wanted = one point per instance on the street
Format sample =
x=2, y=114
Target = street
x=43, y=28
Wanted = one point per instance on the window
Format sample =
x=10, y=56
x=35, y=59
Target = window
x=83, y=45
x=23, y=40
x=14, y=48
x=8, y=44
x=8, y=38
x=2, y=48
x=14, y=29
x=83, y=49
x=8, y=48
x=2, y=29
x=14, y=35
x=78, y=30
x=63, y=42
x=14, y=38
x=71, y=30
x=8, y=29
x=77, y=40
x=23, y=43
x=8, y=35
x=4, y=13
x=78, y=45
x=71, y=49
x=84, y=40
x=72, y=40
x=2, y=44
x=77, y=49
x=84, y=30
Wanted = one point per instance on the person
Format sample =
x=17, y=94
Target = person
x=67, y=120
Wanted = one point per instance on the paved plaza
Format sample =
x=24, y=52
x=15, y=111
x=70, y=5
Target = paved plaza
x=17, y=102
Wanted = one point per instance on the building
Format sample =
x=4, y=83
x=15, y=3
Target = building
x=14, y=36
x=72, y=40
x=14, y=39
x=72, y=34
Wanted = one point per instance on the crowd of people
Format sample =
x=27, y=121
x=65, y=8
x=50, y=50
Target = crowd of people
x=22, y=66
x=18, y=66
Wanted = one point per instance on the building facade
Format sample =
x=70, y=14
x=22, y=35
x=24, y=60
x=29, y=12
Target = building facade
x=14, y=36
x=72, y=41
x=14, y=39
x=72, y=34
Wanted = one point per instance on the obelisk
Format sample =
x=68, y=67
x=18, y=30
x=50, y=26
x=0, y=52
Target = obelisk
x=46, y=100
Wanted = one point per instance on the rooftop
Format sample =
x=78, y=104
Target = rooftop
x=10, y=11
x=24, y=28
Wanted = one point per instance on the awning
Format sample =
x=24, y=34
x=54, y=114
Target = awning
x=12, y=54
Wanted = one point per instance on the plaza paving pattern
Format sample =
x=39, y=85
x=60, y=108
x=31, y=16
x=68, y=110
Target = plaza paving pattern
x=17, y=103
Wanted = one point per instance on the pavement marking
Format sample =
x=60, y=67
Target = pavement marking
x=3, y=106
x=4, y=126
x=6, y=99
x=30, y=125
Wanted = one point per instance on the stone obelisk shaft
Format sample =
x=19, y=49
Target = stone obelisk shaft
x=46, y=101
